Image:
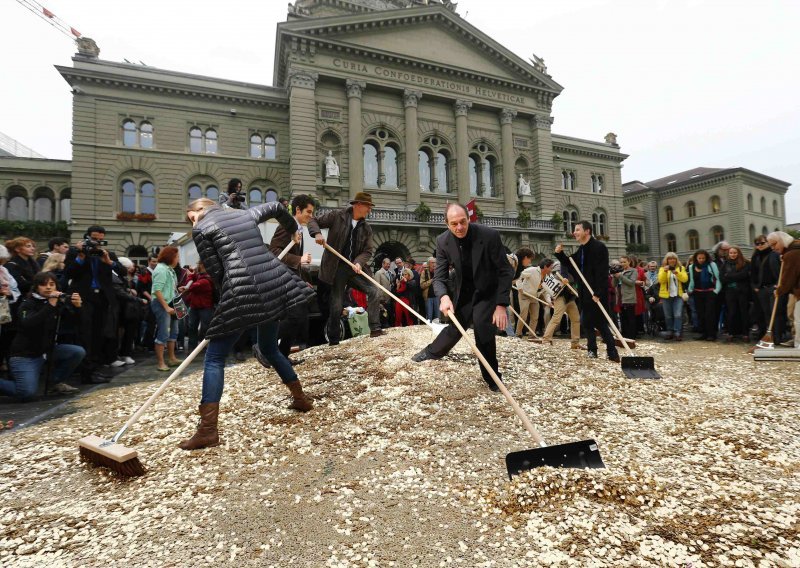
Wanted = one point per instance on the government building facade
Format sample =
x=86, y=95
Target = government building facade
x=358, y=102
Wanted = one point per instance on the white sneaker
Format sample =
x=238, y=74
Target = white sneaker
x=118, y=363
x=128, y=361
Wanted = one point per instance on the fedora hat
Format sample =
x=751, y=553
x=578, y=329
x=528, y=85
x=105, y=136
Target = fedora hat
x=362, y=197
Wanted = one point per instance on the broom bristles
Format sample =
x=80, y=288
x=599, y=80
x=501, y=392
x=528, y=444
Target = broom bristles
x=128, y=468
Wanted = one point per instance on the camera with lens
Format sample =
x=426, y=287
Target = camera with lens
x=236, y=199
x=94, y=247
x=615, y=269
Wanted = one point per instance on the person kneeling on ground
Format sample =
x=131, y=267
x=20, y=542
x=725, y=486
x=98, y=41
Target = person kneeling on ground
x=256, y=289
x=37, y=329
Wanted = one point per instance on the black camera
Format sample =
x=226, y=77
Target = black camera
x=615, y=269
x=94, y=247
x=235, y=199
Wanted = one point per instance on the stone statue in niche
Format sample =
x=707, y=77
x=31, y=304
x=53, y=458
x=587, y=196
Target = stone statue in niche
x=331, y=167
x=523, y=187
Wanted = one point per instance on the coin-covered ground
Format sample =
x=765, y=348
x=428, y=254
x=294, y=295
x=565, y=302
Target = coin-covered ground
x=402, y=464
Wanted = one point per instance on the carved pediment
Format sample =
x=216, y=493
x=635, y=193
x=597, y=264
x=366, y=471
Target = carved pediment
x=431, y=36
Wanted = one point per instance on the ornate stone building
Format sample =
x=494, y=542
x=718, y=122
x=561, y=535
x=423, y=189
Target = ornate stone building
x=354, y=80
x=698, y=208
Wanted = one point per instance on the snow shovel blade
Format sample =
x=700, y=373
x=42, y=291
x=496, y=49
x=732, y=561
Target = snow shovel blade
x=582, y=455
x=640, y=368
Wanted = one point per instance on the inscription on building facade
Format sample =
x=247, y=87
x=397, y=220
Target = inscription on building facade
x=406, y=78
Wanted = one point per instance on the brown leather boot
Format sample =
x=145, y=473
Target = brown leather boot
x=300, y=401
x=207, y=434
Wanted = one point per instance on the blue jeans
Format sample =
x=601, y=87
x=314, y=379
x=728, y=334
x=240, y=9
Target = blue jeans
x=198, y=318
x=218, y=349
x=432, y=307
x=673, y=314
x=26, y=371
x=166, y=325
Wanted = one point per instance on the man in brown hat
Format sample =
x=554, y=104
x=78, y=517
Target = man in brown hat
x=349, y=234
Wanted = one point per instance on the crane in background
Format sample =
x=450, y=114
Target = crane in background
x=50, y=18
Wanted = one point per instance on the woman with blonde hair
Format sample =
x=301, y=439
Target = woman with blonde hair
x=55, y=265
x=671, y=278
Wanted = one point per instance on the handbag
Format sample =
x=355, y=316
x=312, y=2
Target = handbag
x=5, y=311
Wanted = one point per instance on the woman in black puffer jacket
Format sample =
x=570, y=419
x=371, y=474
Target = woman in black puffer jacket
x=735, y=278
x=256, y=289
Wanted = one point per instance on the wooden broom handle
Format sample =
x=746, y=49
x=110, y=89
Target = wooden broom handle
x=376, y=283
x=775, y=301
x=513, y=311
x=517, y=408
x=176, y=373
x=602, y=309
x=534, y=298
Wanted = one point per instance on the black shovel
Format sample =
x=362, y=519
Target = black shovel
x=584, y=454
x=634, y=367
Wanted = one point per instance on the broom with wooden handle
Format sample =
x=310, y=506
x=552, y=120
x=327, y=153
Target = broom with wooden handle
x=768, y=342
x=115, y=456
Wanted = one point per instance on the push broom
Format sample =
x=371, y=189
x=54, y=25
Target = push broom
x=768, y=342
x=113, y=455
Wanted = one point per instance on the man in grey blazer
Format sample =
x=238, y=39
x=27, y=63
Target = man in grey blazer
x=482, y=285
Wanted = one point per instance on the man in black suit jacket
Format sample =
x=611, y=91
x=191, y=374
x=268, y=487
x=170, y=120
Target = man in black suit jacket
x=482, y=286
x=592, y=259
x=90, y=276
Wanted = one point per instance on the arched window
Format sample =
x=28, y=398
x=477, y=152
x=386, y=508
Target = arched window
x=572, y=181
x=146, y=135
x=424, y=163
x=487, y=176
x=212, y=192
x=128, y=197
x=631, y=235
x=485, y=164
x=473, y=176
x=195, y=192
x=195, y=140
x=597, y=183
x=370, y=165
x=147, y=199
x=640, y=234
x=752, y=232
x=564, y=179
x=694, y=239
x=270, y=148
x=668, y=214
x=255, y=146
x=715, y=204
x=43, y=209
x=599, y=223
x=442, y=181
x=775, y=208
x=255, y=196
x=271, y=195
x=763, y=204
x=390, y=166
x=691, y=210
x=129, y=133
x=749, y=201
x=672, y=243
x=765, y=231
x=65, y=203
x=570, y=220
x=718, y=233
x=211, y=141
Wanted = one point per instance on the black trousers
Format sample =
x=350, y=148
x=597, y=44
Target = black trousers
x=346, y=277
x=630, y=326
x=592, y=318
x=93, y=314
x=706, y=305
x=765, y=300
x=293, y=328
x=476, y=312
x=736, y=311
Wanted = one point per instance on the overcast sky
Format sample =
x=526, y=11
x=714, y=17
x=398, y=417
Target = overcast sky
x=683, y=83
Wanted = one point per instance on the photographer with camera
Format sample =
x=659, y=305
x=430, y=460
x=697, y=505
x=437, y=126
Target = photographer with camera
x=88, y=269
x=38, y=323
x=234, y=198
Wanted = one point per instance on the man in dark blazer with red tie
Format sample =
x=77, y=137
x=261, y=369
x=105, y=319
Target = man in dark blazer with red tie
x=482, y=286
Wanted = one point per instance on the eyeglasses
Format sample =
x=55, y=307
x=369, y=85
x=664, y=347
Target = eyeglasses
x=759, y=243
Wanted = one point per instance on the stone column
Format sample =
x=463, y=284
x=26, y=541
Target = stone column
x=355, y=143
x=303, y=166
x=31, y=209
x=543, y=181
x=57, y=209
x=3, y=207
x=461, y=108
x=509, y=179
x=410, y=100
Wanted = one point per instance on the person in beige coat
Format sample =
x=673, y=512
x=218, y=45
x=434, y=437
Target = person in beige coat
x=529, y=284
